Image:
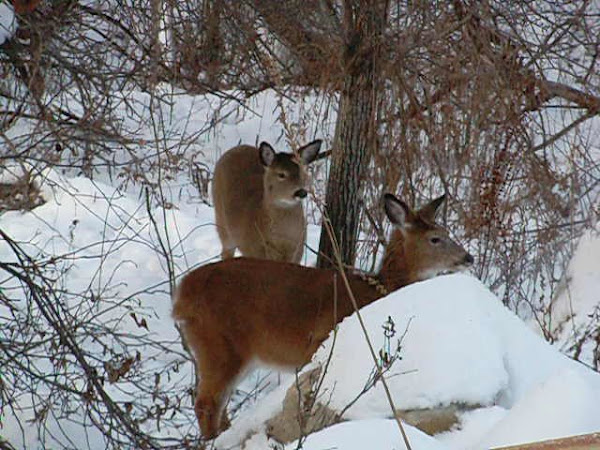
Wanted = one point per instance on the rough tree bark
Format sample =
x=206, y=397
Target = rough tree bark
x=356, y=132
x=211, y=50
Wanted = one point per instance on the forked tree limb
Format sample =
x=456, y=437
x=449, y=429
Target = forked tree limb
x=540, y=90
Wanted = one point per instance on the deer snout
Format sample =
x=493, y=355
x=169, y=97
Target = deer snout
x=300, y=193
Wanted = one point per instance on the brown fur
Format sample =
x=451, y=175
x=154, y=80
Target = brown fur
x=257, y=209
x=239, y=310
x=25, y=6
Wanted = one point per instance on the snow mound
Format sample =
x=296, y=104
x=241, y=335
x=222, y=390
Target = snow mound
x=450, y=349
x=460, y=345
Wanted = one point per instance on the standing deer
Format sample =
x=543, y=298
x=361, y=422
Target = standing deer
x=241, y=310
x=258, y=201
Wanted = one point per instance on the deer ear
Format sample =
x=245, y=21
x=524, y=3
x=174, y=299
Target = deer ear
x=309, y=152
x=397, y=211
x=266, y=153
x=430, y=210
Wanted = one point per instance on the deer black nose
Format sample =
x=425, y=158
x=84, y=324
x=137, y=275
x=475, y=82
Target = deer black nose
x=300, y=193
x=469, y=259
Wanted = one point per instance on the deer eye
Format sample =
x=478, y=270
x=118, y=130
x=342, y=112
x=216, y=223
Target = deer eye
x=435, y=240
x=281, y=175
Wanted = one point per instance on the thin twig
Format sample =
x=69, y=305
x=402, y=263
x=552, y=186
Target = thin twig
x=386, y=388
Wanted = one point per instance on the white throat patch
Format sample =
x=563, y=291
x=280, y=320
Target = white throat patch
x=287, y=203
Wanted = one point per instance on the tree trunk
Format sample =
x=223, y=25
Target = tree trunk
x=211, y=51
x=356, y=132
x=156, y=52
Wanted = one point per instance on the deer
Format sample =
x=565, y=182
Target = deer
x=242, y=310
x=257, y=195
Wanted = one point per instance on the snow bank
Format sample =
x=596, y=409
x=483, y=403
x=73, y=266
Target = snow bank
x=461, y=345
x=450, y=352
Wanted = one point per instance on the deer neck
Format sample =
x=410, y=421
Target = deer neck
x=395, y=271
x=394, y=274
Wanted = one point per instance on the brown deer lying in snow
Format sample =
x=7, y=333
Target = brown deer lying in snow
x=240, y=310
x=257, y=195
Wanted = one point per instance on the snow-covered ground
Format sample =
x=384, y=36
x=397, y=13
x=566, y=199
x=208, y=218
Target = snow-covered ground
x=110, y=275
x=459, y=344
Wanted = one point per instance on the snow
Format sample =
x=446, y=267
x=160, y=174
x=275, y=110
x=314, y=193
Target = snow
x=473, y=424
x=107, y=246
x=8, y=24
x=532, y=379
x=380, y=434
x=576, y=307
x=444, y=335
x=565, y=404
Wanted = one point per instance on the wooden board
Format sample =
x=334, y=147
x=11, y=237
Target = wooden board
x=583, y=442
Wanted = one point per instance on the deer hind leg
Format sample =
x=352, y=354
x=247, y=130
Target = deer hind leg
x=297, y=252
x=219, y=367
x=228, y=246
x=227, y=252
